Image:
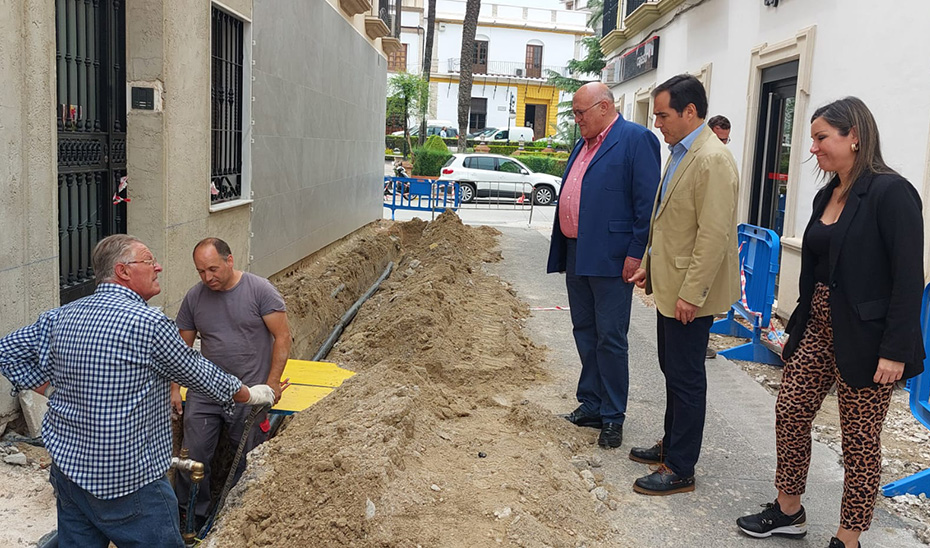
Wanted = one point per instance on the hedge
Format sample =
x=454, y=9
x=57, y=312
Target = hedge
x=544, y=164
x=428, y=163
x=435, y=142
x=397, y=142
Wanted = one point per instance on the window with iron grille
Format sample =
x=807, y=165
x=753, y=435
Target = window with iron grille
x=227, y=100
x=631, y=6
x=397, y=60
x=609, y=19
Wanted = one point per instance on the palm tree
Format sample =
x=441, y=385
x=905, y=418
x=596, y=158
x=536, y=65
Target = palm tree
x=469, y=27
x=427, y=62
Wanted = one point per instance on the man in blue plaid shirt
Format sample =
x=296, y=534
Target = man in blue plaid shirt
x=106, y=363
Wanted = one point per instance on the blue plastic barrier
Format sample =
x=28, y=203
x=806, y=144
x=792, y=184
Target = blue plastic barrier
x=920, y=408
x=758, y=259
x=420, y=195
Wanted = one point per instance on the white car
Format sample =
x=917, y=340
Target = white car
x=494, y=176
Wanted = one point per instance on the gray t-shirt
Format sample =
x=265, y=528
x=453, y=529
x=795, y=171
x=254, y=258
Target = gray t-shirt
x=232, y=332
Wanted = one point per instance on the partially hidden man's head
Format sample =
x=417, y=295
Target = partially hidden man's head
x=593, y=108
x=214, y=262
x=720, y=125
x=124, y=260
x=679, y=106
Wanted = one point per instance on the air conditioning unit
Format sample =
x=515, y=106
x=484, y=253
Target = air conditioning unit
x=520, y=72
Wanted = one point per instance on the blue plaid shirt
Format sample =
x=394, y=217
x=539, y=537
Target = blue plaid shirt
x=111, y=358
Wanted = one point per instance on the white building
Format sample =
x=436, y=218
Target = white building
x=767, y=65
x=515, y=46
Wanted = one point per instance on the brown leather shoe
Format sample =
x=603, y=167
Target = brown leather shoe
x=663, y=482
x=648, y=455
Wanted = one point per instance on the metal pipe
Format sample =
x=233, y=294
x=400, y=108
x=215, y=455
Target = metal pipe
x=195, y=470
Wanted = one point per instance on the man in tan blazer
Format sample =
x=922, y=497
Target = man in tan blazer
x=691, y=267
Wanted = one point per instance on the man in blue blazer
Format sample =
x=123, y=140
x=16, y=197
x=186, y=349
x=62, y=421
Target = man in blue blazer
x=598, y=239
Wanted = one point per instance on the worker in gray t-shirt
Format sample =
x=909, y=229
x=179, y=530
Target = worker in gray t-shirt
x=243, y=328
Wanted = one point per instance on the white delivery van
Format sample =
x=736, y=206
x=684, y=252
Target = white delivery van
x=514, y=135
x=433, y=127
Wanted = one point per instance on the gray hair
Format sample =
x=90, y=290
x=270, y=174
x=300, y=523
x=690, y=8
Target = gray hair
x=111, y=251
x=607, y=95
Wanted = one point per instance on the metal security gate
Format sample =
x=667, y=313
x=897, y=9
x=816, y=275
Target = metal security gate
x=91, y=118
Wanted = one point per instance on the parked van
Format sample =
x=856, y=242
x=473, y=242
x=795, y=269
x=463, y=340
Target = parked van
x=433, y=127
x=514, y=135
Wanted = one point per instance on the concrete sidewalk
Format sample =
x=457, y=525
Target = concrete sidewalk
x=735, y=473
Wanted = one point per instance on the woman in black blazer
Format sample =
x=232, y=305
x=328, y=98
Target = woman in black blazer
x=857, y=323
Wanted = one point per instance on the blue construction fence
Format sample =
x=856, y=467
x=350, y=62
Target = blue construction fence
x=420, y=195
x=758, y=260
x=919, y=397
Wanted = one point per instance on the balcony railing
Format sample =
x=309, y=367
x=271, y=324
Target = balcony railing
x=387, y=10
x=510, y=69
x=631, y=6
x=609, y=20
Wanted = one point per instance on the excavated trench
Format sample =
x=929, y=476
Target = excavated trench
x=431, y=443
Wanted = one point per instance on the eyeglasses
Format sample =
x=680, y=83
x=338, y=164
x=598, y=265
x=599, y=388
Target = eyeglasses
x=151, y=262
x=579, y=114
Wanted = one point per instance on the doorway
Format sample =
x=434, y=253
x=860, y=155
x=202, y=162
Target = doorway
x=478, y=114
x=536, y=118
x=777, y=100
x=90, y=39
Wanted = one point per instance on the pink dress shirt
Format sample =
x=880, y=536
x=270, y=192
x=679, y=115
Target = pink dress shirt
x=570, y=196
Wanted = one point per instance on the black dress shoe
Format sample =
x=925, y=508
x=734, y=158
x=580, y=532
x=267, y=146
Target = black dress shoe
x=648, y=455
x=663, y=482
x=837, y=543
x=578, y=417
x=611, y=435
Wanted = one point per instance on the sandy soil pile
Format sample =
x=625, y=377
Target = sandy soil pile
x=430, y=444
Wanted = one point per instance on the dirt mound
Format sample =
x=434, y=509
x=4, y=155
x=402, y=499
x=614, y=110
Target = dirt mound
x=430, y=443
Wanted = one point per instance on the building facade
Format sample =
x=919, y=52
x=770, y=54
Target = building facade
x=767, y=65
x=257, y=121
x=515, y=48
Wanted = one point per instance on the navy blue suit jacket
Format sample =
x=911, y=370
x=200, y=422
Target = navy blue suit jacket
x=617, y=194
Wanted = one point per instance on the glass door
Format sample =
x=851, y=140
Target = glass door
x=773, y=147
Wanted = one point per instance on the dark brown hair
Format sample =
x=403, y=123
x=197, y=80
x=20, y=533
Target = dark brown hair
x=846, y=114
x=221, y=247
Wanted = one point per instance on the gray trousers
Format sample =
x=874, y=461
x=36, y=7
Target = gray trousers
x=203, y=424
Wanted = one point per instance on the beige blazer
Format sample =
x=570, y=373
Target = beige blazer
x=692, y=252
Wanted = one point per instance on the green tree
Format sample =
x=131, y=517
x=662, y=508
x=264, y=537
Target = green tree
x=591, y=65
x=407, y=93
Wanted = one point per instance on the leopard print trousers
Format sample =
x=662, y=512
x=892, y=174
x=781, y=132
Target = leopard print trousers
x=807, y=378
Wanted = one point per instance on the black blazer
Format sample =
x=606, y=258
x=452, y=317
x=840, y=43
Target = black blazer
x=876, y=278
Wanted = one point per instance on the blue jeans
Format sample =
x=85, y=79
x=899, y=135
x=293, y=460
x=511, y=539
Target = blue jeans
x=600, y=309
x=146, y=518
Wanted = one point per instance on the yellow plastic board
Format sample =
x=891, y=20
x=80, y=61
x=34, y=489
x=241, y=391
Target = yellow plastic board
x=315, y=373
x=310, y=383
x=298, y=397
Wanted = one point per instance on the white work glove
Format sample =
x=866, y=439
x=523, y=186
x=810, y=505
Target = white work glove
x=261, y=394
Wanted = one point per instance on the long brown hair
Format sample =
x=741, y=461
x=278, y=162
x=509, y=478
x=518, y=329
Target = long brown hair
x=846, y=114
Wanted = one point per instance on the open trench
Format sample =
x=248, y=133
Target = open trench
x=431, y=443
